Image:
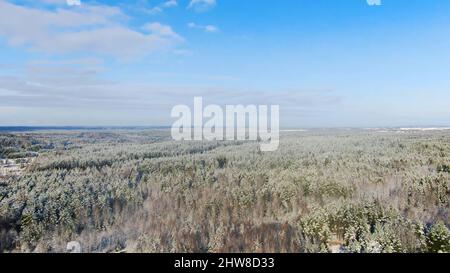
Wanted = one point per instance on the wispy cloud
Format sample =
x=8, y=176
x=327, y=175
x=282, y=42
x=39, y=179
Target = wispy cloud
x=201, y=5
x=47, y=91
x=206, y=28
x=374, y=2
x=159, y=8
x=152, y=10
x=162, y=31
x=47, y=94
x=170, y=4
x=86, y=29
x=73, y=2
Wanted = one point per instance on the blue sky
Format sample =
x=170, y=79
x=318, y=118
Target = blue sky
x=327, y=63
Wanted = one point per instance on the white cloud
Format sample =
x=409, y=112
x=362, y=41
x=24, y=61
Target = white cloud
x=211, y=28
x=206, y=28
x=157, y=9
x=48, y=92
x=73, y=2
x=170, y=4
x=374, y=2
x=162, y=30
x=56, y=2
x=87, y=29
x=201, y=5
x=154, y=10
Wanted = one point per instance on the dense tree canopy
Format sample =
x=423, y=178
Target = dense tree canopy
x=348, y=191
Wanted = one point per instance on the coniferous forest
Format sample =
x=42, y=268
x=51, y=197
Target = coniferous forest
x=362, y=191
